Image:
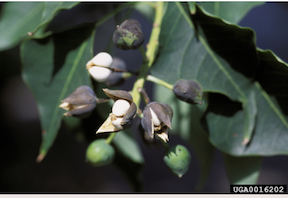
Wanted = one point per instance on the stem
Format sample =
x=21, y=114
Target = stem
x=159, y=82
x=126, y=75
x=152, y=49
x=145, y=95
x=110, y=138
x=102, y=100
x=143, y=53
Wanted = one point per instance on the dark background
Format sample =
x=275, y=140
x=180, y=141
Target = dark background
x=64, y=168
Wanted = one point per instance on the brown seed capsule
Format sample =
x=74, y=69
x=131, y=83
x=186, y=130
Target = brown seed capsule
x=157, y=119
x=116, y=78
x=123, y=111
x=148, y=141
x=80, y=103
x=188, y=91
x=128, y=35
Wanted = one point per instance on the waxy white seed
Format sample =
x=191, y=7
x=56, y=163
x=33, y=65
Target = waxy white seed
x=116, y=123
x=120, y=107
x=100, y=74
x=103, y=59
x=155, y=119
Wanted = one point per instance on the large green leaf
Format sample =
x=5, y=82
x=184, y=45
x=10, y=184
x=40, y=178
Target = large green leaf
x=242, y=170
x=19, y=18
x=53, y=68
x=224, y=59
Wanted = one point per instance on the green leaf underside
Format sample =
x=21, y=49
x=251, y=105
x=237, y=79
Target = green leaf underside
x=50, y=89
x=19, y=18
x=216, y=62
x=128, y=147
x=242, y=170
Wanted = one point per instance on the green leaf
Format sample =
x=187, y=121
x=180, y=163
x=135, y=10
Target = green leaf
x=128, y=147
x=242, y=170
x=26, y=17
x=53, y=68
x=186, y=124
x=227, y=10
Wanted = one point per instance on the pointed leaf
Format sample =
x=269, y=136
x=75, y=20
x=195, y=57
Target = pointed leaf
x=26, y=17
x=53, y=68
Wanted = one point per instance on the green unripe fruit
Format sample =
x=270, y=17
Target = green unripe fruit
x=178, y=159
x=99, y=153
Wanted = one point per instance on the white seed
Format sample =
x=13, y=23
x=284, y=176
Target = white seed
x=103, y=59
x=100, y=74
x=120, y=107
x=116, y=123
x=155, y=119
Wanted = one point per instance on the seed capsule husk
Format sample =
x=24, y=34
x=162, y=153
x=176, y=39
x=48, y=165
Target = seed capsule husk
x=80, y=103
x=116, y=78
x=127, y=119
x=164, y=114
x=148, y=141
x=161, y=112
x=128, y=35
x=189, y=91
x=118, y=94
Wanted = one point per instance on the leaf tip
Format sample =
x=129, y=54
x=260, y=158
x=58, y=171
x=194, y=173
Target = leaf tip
x=245, y=141
x=40, y=157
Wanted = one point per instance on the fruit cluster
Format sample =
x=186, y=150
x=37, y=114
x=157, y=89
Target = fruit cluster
x=156, y=118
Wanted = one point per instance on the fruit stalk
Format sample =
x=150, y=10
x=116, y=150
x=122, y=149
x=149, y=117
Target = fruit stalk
x=159, y=82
